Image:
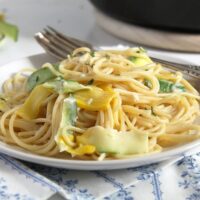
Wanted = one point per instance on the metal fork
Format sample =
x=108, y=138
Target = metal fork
x=60, y=45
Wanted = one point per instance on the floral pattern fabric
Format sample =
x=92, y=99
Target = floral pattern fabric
x=26, y=181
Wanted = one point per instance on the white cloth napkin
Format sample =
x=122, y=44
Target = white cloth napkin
x=173, y=179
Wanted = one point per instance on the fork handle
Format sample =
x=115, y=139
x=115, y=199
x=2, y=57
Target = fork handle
x=189, y=69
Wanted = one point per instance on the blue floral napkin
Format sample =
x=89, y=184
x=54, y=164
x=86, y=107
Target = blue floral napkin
x=173, y=179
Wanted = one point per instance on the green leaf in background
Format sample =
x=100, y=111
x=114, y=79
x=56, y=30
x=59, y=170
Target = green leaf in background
x=1, y=17
x=7, y=29
x=2, y=36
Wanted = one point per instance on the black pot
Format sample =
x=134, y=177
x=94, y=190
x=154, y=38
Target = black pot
x=173, y=15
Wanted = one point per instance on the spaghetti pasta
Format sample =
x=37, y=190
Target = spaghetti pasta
x=99, y=105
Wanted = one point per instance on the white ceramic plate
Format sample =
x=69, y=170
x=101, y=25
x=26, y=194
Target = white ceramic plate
x=37, y=60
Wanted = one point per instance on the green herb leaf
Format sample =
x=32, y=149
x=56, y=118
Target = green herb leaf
x=178, y=87
x=168, y=86
x=92, y=53
x=165, y=86
x=132, y=58
x=2, y=36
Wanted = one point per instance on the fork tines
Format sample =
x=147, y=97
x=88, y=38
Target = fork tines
x=57, y=44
